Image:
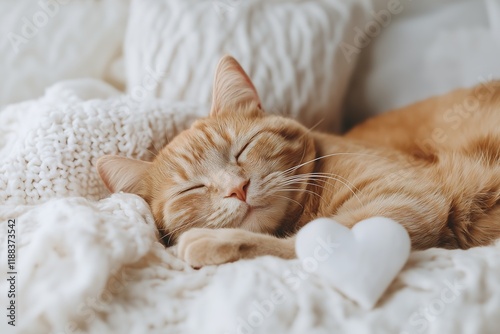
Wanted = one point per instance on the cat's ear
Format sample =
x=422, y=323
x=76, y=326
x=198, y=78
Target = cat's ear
x=232, y=87
x=122, y=174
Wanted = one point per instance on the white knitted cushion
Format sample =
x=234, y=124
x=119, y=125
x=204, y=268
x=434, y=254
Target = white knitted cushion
x=48, y=147
x=290, y=48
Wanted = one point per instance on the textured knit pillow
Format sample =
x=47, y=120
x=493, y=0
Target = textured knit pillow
x=290, y=48
x=48, y=146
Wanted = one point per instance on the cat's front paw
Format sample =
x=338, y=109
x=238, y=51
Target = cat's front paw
x=202, y=246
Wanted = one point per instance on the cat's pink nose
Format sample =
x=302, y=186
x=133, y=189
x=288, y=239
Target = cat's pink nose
x=238, y=189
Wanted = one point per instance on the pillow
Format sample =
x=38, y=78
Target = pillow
x=50, y=40
x=290, y=49
x=431, y=47
x=48, y=146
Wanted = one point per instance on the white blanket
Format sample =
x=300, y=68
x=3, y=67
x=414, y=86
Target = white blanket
x=94, y=264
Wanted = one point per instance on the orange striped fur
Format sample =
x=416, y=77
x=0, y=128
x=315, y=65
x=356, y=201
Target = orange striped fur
x=433, y=166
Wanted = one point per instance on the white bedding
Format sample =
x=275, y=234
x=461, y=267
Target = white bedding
x=96, y=265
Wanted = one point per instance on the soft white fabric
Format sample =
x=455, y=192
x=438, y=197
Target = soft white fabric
x=53, y=153
x=289, y=48
x=429, y=48
x=45, y=41
x=97, y=266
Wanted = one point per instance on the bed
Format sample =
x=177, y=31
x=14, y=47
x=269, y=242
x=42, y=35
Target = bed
x=91, y=261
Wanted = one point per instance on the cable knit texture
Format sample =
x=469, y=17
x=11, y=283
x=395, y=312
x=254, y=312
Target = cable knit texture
x=290, y=49
x=65, y=135
x=97, y=266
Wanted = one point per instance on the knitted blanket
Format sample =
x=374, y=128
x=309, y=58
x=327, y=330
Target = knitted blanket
x=88, y=261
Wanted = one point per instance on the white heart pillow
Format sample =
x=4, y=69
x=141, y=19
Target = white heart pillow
x=290, y=48
x=360, y=262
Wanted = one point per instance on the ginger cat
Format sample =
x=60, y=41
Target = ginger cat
x=239, y=183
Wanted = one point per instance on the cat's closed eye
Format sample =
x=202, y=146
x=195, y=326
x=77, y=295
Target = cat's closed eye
x=237, y=156
x=246, y=146
x=199, y=186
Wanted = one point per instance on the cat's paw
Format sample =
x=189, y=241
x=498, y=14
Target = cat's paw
x=202, y=246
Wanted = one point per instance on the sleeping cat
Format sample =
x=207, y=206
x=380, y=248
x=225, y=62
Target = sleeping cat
x=239, y=183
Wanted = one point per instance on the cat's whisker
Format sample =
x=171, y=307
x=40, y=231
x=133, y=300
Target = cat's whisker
x=305, y=181
x=326, y=175
x=288, y=199
x=292, y=169
x=296, y=189
x=308, y=177
x=153, y=154
x=319, y=176
x=309, y=130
